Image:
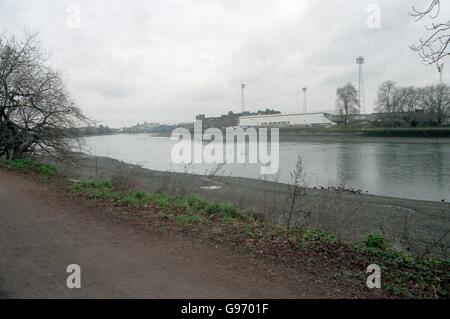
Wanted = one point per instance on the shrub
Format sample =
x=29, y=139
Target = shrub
x=223, y=210
x=375, y=241
x=161, y=200
x=96, y=189
x=192, y=203
x=317, y=235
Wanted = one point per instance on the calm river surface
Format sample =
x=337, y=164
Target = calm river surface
x=416, y=170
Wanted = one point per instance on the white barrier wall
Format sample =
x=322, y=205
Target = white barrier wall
x=305, y=119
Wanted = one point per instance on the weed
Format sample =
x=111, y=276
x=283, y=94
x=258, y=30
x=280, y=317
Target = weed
x=189, y=219
x=317, y=235
x=375, y=241
x=96, y=189
x=223, y=210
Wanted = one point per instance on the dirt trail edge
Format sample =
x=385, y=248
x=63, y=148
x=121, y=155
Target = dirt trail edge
x=41, y=233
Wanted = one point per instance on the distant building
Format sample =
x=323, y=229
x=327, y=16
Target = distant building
x=146, y=128
x=230, y=119
x=288, y=120
x=186, y=125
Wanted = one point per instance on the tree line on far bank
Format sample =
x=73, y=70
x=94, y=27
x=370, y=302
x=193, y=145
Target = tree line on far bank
x=399, y=106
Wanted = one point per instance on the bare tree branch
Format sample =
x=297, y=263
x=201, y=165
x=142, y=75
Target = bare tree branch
x=435, y=46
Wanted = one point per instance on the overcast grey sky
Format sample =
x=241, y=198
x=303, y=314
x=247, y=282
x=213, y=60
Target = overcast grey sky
x=130, y=61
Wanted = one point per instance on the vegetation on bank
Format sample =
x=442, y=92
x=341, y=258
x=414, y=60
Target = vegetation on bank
x=422, y=132
x=402, y=274
x=431, y=132
x=30, y=165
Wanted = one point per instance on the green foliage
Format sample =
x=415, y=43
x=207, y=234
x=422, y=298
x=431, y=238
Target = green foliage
x=255, y=230
x=96, y=189
x=161, y=200
x=223, y=210
x=94, y=183
x=404, y=274
x=375, y=241
x=189, y=219
x=30, y=165
x=129, y=200
x=46, y=169
x=317, y=235
x=194, y=203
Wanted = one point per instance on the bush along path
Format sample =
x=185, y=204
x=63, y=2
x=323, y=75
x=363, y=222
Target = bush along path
x=402, y=275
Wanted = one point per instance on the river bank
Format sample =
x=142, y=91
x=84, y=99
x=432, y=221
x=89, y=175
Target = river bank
x=324, y=256
x=410, y=225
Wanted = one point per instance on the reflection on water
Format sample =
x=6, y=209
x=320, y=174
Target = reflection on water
x=417, y=171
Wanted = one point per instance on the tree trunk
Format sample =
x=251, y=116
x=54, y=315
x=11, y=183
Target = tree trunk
x=346, y=116
x=17, y=152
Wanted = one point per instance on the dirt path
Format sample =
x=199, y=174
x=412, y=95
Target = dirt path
x=41, y=233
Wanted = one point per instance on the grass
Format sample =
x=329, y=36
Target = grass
x=190, y=218
x=30, y=165
x=375, y=241
x=406, y=275
x=96, y=189
x=192, y=206
x=194, y=203
x=403, y=275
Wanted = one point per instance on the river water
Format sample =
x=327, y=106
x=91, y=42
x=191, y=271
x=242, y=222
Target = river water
x=404, y=170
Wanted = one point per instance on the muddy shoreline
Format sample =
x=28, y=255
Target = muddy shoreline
x=336, y=137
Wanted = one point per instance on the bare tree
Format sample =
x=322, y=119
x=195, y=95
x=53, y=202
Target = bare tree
x=389, y=99
x=347, y=101
x=436, y=100
x=435, y=46
x=36, y=111
x=409, y=101
x=409, y=98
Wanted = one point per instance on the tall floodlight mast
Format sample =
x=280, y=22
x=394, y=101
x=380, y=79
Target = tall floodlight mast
x=440, y=68
x=362, y=107
x=304, y=89
x=243, y=97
